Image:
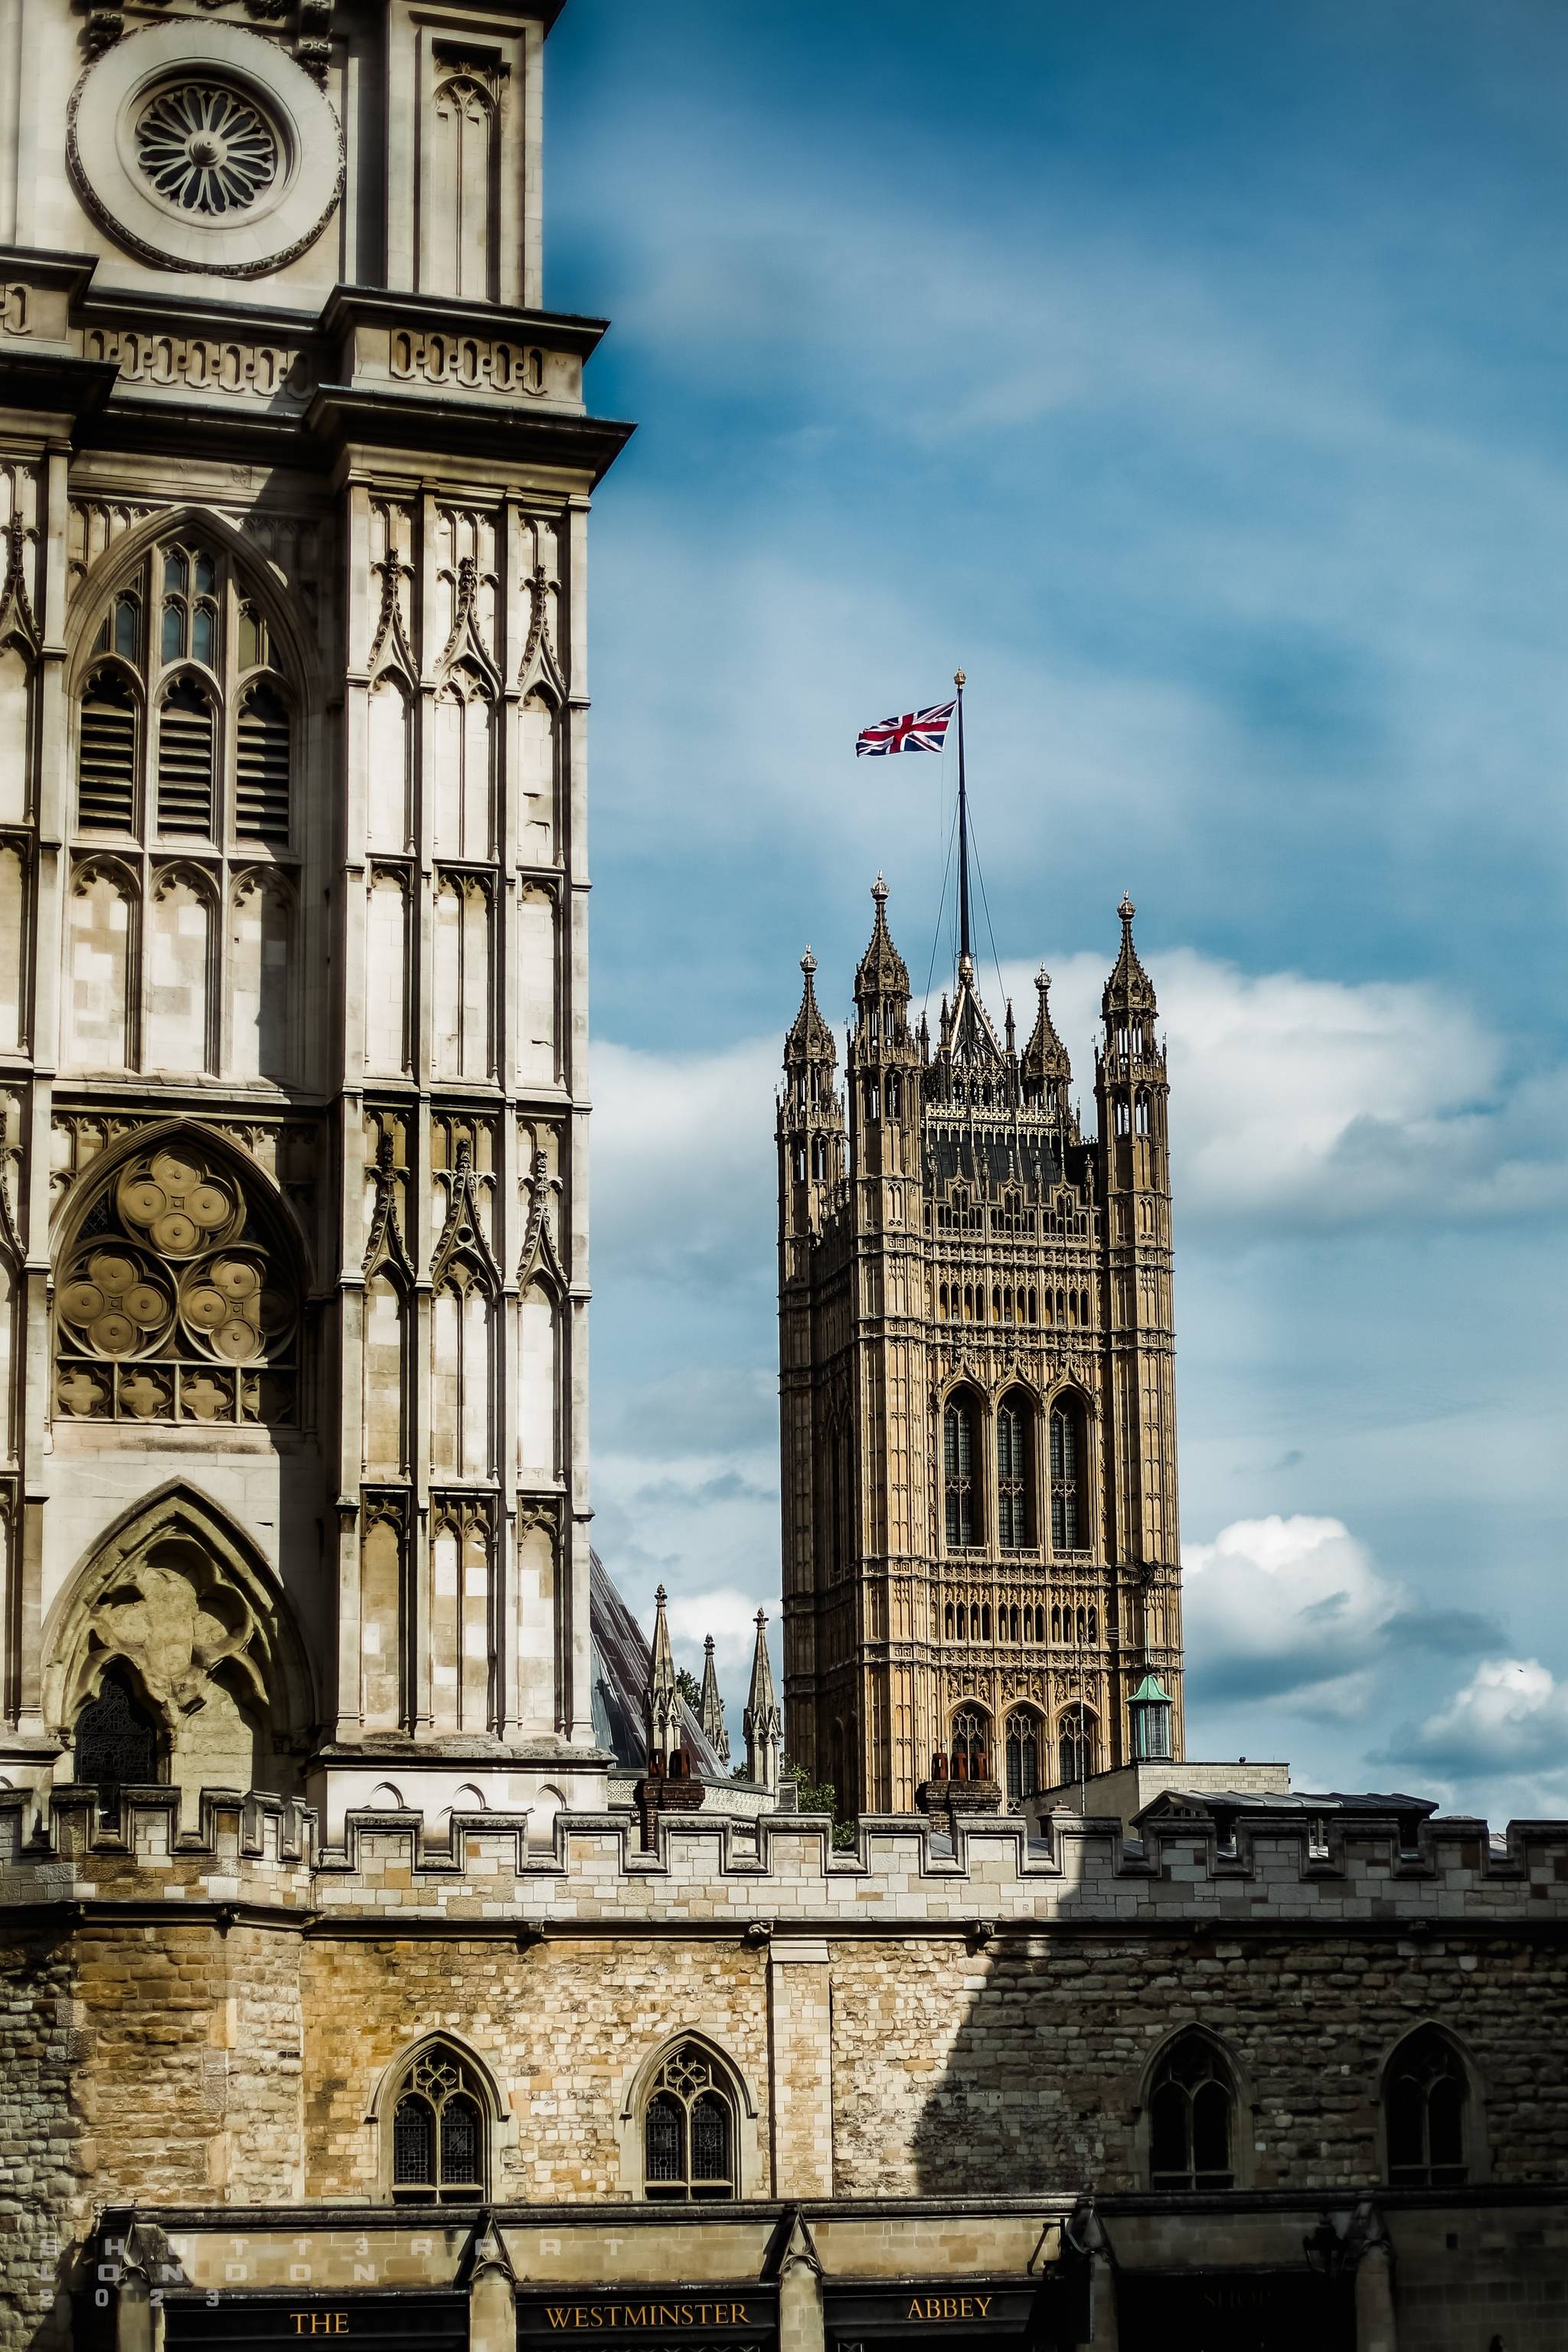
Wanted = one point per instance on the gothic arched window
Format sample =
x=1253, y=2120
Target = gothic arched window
x=968, y=1748
x=218, y=642
x=116, y=1741
x=1012, y=1473
x=688, y=2130
x=1076, y=1745
x=1425, y=2098
x=1069, y=1529
x=1022, y=1755
x=958, y=1474
x=439, y=2131
x=1192, y=2117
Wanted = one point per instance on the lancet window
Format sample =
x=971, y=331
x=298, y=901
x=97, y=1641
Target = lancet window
x=1022, y=1755
x=1192, y=2109
x=959, y=1456
x=439, y=2131
x=688, y=2130
x=1067, y=1518
x=1012, y=1473
x=1426, y=2109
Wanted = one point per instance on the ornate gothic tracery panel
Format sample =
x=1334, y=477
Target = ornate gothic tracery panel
x=175, y=1302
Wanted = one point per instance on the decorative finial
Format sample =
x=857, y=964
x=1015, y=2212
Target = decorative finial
x=762, y=1617
x=1127, y=909
x=880, y=889
x=1042, y=980
x=808, y=964
x=660, y=1594
x=708, y=1643
x=958, y=680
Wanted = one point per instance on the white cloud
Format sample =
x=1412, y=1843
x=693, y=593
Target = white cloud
x=1285, y=1607
x=1511, y=1717
x=683, y=1157
x=731, y=1616
x=1294, y=1100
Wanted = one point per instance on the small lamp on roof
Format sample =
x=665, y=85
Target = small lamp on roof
x=1149, y=1707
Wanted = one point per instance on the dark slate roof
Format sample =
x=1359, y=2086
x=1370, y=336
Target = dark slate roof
x=622, y=1665
x=1296, y=1801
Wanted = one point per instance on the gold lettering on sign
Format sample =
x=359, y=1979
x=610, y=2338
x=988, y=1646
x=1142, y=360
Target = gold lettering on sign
x=614, y=2317
x=319, y=2322
x=949, y=2307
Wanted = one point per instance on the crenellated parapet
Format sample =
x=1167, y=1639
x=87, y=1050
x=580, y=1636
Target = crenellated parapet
x=986, y=1877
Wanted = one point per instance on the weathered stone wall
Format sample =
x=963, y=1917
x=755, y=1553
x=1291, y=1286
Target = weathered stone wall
x=44, y=2162
x=560, y=2029
x=207, y=2022
x=1028, y=2061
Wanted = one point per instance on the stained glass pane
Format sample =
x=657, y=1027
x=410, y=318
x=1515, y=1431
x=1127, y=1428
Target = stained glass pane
x=176, y=572
x=664, y=2139
x=459, y=2140
x=204, y=634
x=413, y=2142
x=128, y=626
x=710, y=2138
x=206, y=574
x=174, y=632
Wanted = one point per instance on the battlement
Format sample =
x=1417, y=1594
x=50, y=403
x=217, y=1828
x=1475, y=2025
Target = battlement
x=904, y=1873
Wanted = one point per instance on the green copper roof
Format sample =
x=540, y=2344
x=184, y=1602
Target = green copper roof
x=1149, y=1689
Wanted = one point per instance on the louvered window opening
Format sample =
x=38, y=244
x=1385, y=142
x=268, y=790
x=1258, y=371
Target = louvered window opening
x=185, y=762
x=106, y=758
x=261, y=770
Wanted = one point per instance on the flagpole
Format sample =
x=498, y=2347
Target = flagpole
x=963, y=951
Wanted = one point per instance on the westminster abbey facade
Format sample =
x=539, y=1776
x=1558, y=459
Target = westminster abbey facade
x=978, y=1414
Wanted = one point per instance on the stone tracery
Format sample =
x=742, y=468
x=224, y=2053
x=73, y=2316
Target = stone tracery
x=175, y=1303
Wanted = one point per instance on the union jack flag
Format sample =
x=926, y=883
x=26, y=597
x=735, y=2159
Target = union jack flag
x=916, y=730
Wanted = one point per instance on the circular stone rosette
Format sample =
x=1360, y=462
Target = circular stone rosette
x=204, y=147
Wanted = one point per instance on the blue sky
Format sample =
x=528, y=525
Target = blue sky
x=1195, y=379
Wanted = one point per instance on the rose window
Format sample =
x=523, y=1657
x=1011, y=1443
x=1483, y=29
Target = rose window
x=206, y=149
x=173, y=1306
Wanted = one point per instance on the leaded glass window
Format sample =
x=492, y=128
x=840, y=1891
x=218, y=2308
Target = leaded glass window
x=688, y=2130
x=116, y=1742
x=1023, y=1756
x=1426, y=2100
x=1191, y=2118
x=437, y=2132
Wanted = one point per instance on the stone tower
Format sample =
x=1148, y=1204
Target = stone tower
x=293, y=488
x=977, y=1399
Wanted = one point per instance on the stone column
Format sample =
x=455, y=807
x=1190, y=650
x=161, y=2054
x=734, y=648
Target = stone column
x=801, y=2325
x=1376, y=2329
x=800, y=2014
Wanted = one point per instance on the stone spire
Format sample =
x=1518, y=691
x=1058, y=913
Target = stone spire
x=1045, y=1070
x=1128, y=988
x=762, y=1721
x=663, y=1703
x=881, y=971
x=712, y=1708
x=810, y=1040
